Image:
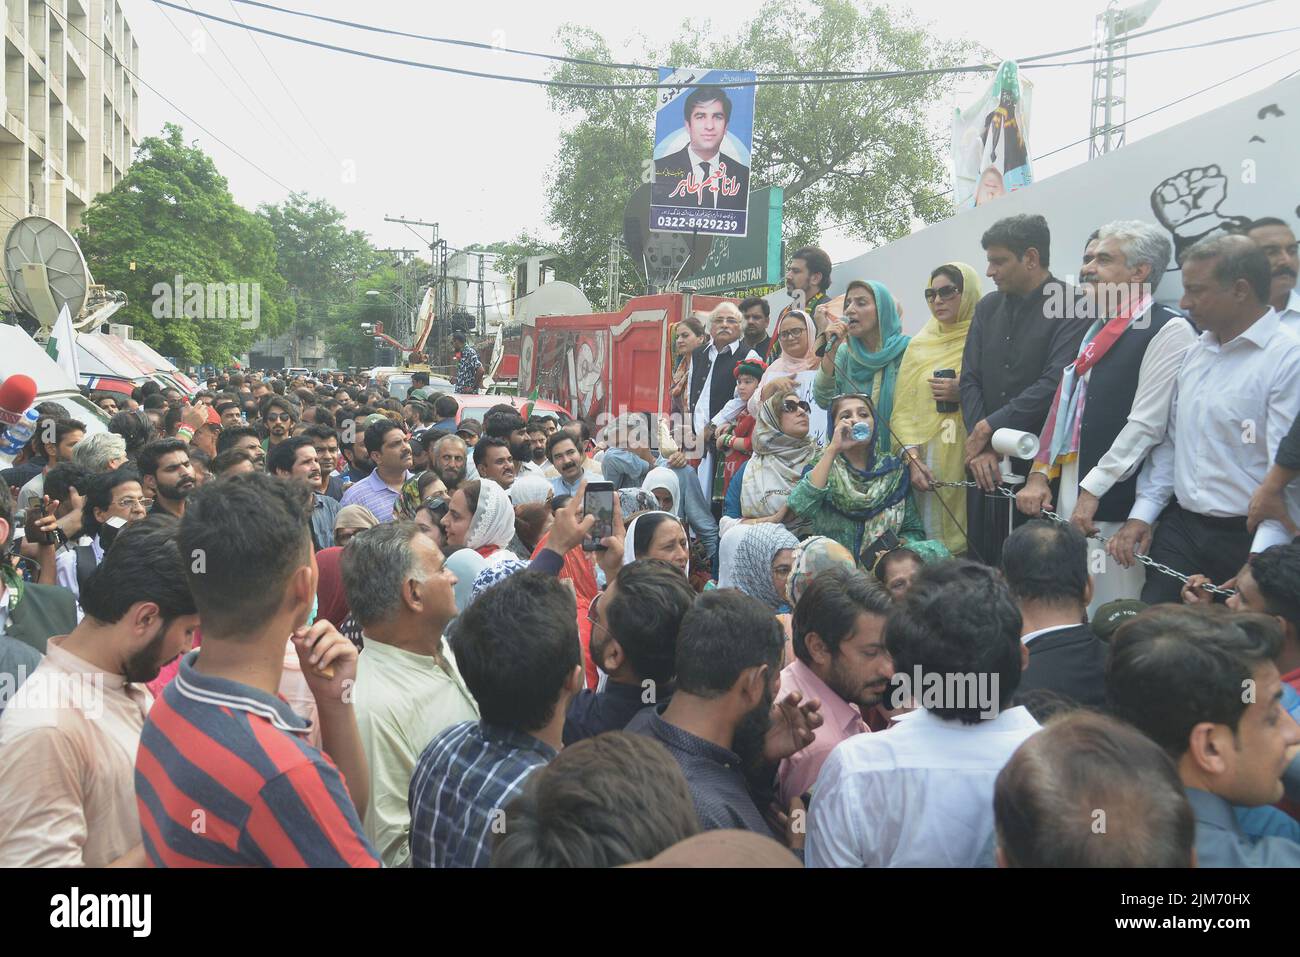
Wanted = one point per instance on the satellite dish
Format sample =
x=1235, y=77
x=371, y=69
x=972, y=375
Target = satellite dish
x=45, y=270
x=666, y=257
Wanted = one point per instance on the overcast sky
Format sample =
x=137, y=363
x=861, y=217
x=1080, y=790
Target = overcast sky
x=375, y=138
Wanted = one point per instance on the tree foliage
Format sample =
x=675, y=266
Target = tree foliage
x=171, y=216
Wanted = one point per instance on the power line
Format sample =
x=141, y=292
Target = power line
x=292, y=99
x=447, y=40
x=221, y=79
x=565, y=84
x=651, y=69
x=243, y=79
x=151, y=88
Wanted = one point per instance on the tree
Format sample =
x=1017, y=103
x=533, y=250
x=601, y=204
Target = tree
x=318, y=255
x=863, y=155
x=170, y=223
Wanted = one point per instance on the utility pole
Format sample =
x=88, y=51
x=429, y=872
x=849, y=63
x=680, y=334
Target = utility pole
x=482, y=302
x=438, y=260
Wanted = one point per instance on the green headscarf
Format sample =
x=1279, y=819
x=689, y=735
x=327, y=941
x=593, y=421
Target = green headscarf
x=859, y=366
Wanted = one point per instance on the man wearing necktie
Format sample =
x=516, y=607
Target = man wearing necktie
x=700, y=174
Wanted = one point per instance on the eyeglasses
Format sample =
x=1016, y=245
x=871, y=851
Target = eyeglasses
x=591, y=610
x=797, y=333
x=943, y=293
x=796, y=405
x=278, y=417
x=129, y=503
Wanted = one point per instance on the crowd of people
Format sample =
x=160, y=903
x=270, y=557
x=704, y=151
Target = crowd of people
x=300, y=622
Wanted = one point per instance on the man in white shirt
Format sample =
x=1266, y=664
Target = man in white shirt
x=1237, y=394
x=1278, y=241
x=920, y=794
x=1128, y=390
x=68, y=738
x=712, y=383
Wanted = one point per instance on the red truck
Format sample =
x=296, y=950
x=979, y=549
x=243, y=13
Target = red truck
x=604, y=364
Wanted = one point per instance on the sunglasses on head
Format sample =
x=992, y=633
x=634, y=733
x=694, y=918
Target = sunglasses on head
x=796, y=405
x=943, y=293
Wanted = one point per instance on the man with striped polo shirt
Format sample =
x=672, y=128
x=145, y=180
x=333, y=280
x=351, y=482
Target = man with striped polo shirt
x=224, y=774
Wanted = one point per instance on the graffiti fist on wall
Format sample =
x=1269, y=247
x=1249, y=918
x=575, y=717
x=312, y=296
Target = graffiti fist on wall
x=1187, y=204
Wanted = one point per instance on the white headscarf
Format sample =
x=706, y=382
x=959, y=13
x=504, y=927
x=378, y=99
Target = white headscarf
x=664, y=478
x=629, y=539
x=528, y=489
x=494, y=519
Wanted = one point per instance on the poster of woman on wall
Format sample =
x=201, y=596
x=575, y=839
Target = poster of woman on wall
x=989, y=141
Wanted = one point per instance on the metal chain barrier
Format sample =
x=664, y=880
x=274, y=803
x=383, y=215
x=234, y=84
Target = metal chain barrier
x=1048, y=513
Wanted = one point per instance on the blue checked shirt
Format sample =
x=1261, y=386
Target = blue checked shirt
x=462, y=783
x=374, y=495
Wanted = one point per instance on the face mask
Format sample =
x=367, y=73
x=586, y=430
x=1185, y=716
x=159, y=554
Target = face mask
x=862, y=431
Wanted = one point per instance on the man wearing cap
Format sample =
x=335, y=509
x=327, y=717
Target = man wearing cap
x=469, y=370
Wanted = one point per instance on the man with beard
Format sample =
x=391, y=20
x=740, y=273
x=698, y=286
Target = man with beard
x=920, y=794
x=537, y=436
x=634, y=625
x=390, y=451
x=448, y=460
x=244, y=439
x=721, y=724
x=279, y=416
x=1277, y=240
x=295, y=458
x=494, y=461
x=503, y=422
x=166, y=474
x=68, y=738
x=352, y=443
x=840, y=660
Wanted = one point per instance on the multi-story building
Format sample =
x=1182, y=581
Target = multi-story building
x=70, y=118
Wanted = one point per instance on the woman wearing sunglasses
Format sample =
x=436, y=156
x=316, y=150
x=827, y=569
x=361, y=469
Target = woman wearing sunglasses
x=866, y=351
x=927, y=418
x=783, y=447
x=858, y=495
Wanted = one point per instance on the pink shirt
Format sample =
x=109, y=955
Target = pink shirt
x=798, y=772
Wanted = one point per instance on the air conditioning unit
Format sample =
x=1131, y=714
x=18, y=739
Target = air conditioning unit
x=121, y=331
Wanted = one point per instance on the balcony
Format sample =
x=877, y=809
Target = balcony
x=77, y=63
x=76, y=128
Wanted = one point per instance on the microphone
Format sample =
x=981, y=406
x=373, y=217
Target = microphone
x=829, y=341
x=17, y=394
x=17, y=417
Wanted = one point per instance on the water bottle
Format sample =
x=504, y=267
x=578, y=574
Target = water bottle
x=17, y=435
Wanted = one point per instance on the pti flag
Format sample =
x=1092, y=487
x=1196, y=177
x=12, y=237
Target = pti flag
x=62, y=347
x=989, y=152
x=704, y=136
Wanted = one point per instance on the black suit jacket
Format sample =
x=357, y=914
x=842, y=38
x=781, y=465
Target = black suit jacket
x=723, y=385
x=45, y=611
x=671, y=169
x=1070, y=661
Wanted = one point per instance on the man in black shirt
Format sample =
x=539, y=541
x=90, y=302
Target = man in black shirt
x=757, y=316
x=721, y=724
x=1020, y=339
x=634, y=625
